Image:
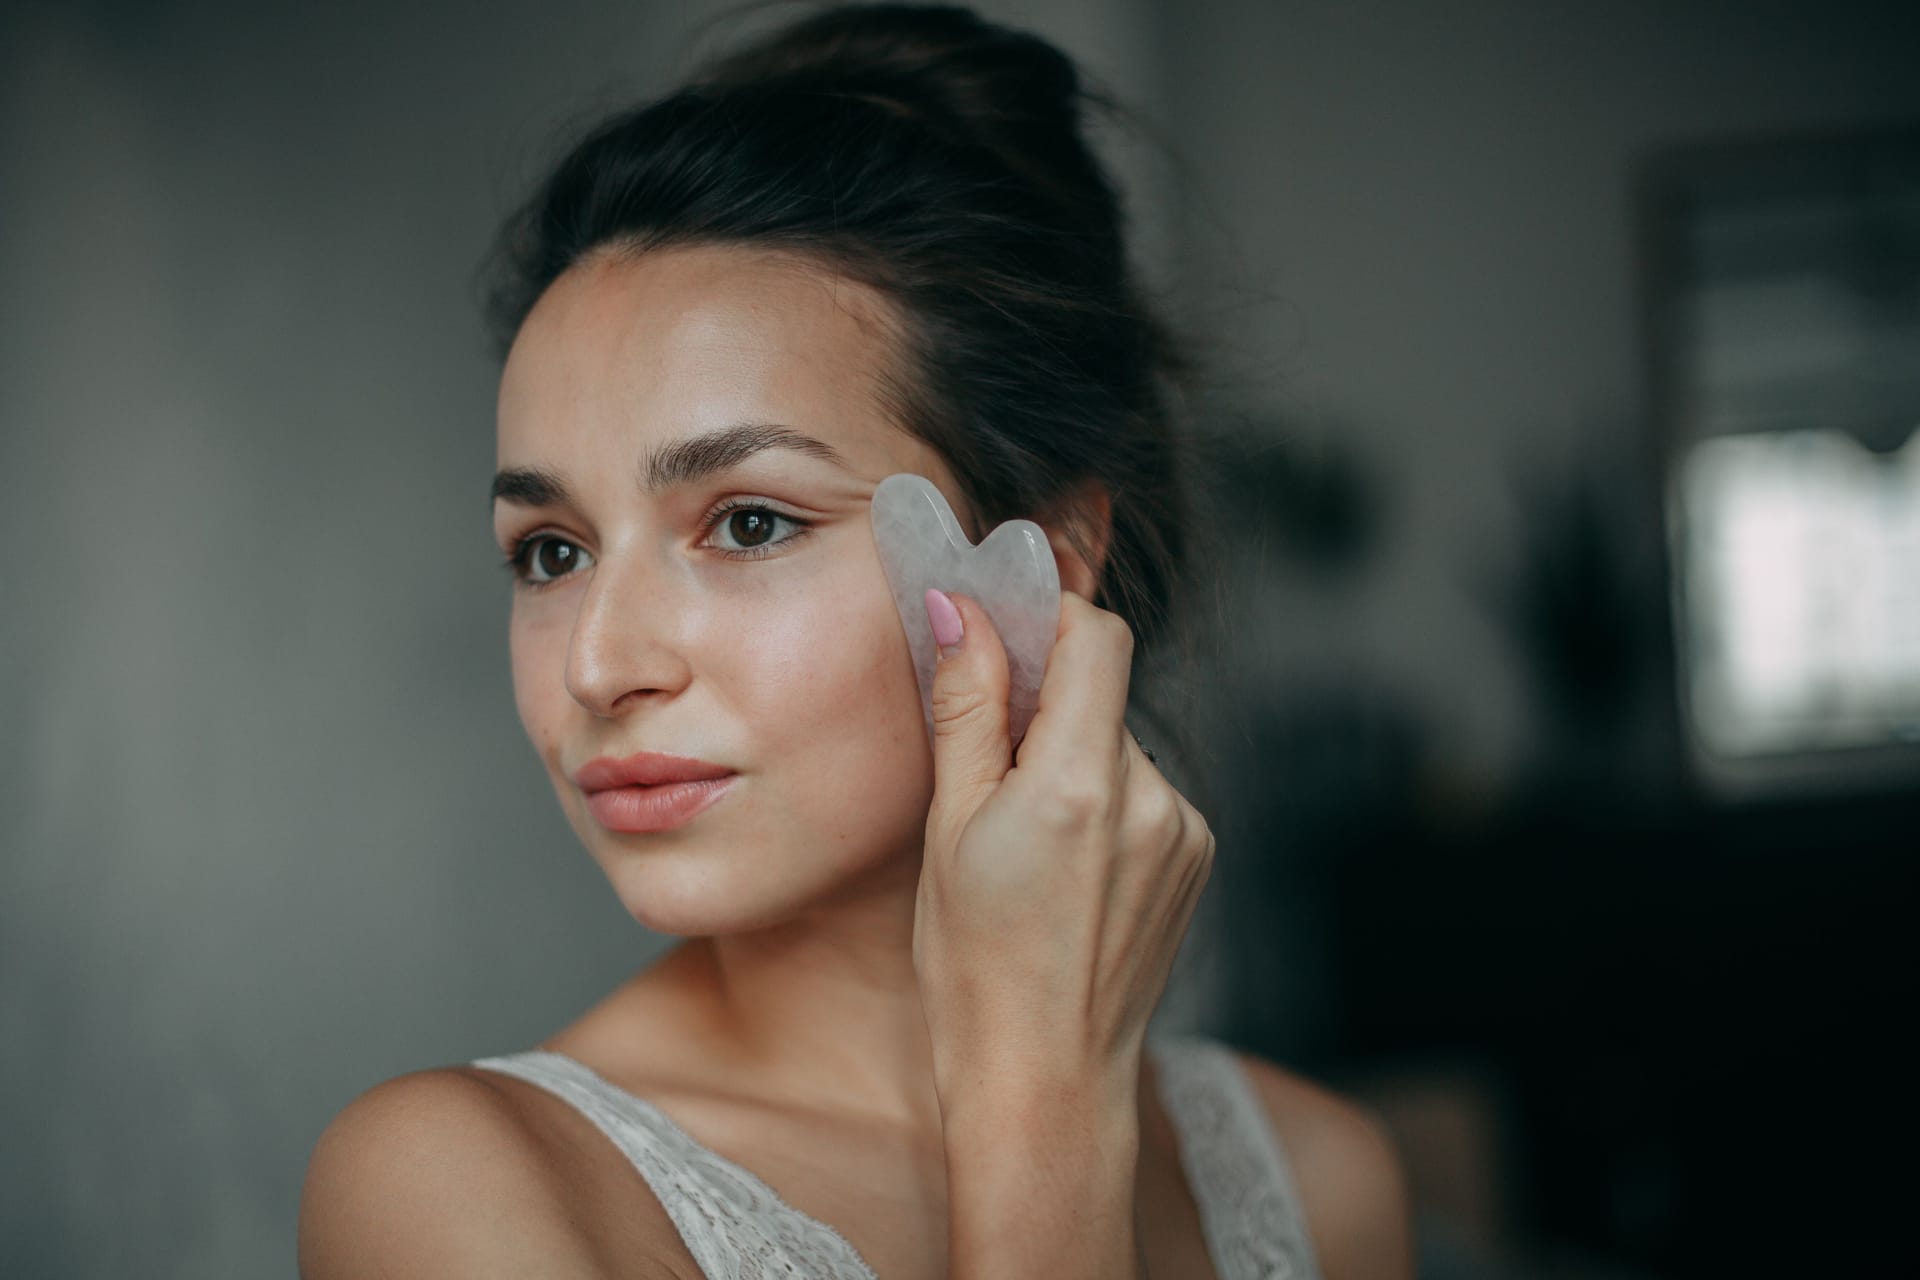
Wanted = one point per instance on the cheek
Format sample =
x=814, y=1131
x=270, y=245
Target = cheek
x=835, y=652
x=833, y=680
x=537, y=653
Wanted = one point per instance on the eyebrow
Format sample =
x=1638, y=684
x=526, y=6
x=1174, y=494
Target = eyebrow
x=678, y=463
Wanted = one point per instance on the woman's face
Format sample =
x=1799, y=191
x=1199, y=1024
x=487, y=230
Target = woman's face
x=763, y=639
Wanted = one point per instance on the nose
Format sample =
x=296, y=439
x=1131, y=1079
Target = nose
x=623, y=648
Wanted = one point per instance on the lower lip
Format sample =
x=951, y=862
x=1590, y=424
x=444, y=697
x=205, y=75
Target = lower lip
x=658, y=808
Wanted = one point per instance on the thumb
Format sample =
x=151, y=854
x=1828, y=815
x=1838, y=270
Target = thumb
x=972, y=749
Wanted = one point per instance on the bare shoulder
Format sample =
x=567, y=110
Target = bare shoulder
x=445, y=1172
x=1351, y=1186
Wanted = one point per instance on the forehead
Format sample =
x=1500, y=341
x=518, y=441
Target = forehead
x=676, y=341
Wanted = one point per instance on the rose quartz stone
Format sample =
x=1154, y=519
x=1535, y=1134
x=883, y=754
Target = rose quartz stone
x=1011, y=573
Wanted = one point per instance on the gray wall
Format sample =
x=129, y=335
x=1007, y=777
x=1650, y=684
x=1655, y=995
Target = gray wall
x=1411, y=227
x=270, y=831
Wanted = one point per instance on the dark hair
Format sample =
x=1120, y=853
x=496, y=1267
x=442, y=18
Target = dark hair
x=940, y=159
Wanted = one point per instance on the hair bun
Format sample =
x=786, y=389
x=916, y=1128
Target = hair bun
x=932, y=60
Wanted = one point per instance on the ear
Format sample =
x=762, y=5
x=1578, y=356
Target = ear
x=1079, y=525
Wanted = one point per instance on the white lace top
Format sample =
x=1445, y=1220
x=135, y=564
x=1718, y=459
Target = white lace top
x=738, y=1228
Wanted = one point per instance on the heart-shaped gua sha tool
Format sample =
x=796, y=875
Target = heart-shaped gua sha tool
x=1011, y=573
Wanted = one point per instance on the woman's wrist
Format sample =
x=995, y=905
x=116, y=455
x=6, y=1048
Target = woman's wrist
x=1042, y=1174
x=1004, y=1082
x=1099, y=1100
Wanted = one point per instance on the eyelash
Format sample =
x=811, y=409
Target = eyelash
x=517, y=560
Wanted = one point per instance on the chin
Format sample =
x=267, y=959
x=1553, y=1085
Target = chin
x=694, y=893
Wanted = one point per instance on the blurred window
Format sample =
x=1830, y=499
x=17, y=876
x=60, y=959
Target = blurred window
x=1788, y=337
x=1802, y=592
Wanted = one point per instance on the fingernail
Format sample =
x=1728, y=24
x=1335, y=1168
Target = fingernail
x=944, y=617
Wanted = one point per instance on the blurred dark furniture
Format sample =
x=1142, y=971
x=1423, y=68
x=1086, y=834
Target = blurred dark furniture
x=1701, y=1019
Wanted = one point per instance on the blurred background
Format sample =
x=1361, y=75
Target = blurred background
x=1564, y=739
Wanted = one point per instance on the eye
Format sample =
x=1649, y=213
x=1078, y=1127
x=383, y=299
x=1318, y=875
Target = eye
x=543, y=559
x=750, y=525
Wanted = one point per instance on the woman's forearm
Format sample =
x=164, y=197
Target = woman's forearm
x=1041, y=1179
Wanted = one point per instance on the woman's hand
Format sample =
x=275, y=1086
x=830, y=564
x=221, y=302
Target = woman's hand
x=1055, y=889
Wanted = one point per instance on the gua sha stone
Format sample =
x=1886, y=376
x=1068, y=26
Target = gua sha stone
x=1011, y=573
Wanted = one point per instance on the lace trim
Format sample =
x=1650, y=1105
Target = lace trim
x=735, y=1225
x=738, y=1228
x=1249, y=1207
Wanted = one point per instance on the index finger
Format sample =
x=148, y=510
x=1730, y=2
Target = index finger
x=1083, y=695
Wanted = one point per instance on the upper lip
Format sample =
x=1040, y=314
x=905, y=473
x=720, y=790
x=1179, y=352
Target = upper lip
x=644, y=769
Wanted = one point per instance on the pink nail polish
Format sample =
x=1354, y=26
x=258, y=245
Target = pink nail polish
x=944, y=617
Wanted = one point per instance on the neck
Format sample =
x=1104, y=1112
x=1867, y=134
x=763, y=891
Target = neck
x=828, y=1005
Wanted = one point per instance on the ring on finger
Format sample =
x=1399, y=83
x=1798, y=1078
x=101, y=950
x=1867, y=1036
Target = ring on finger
x=1145, y=750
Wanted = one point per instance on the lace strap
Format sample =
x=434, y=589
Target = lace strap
x=734, y=1224
x=1249, y=1207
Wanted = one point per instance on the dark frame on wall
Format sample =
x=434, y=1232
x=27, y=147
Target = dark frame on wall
x=1781, y=308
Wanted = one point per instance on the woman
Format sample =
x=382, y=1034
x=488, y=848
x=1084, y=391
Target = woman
x=905, y=1034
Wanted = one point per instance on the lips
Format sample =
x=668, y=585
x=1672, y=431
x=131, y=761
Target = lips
x=645, y=769
x=650, y=792
x=661, y=808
